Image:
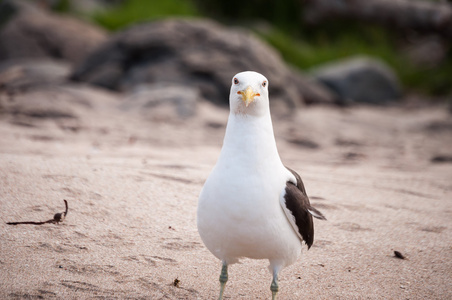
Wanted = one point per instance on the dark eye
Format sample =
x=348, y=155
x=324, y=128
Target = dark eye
x=236, y=81
x=264, y=84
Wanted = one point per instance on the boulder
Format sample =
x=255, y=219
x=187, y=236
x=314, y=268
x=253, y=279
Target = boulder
x=313, y=91
x=29, y=32
x=70, y=106
x=201, y=54
x=360, y=79
x=23, y=74
x=162, y=102
x=48, y=103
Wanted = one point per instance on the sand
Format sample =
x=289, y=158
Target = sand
x=132, y=183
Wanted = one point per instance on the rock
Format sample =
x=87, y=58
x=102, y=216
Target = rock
x=313, y=91
x=68, y=106
x=196, y=53
x=23, y=74
x=43, y=103
x=360, y=79
x=427, y=51
x=162, y=102
x=33, y=33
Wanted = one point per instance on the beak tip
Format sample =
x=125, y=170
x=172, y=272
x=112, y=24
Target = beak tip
x=248, y=95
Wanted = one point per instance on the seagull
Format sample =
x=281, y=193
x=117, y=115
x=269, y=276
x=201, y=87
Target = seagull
x=251, y=204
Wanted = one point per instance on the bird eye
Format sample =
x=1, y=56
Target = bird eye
x=264, y=84
x=236, y=81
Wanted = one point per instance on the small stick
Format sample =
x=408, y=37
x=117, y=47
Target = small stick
x=57, y=218
x=399, y=255
x=29, y=222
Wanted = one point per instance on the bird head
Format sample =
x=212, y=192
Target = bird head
x=249, y=94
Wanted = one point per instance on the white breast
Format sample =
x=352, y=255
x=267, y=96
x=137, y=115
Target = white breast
x=239, y=213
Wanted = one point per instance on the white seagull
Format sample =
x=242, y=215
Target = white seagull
x=251, y=205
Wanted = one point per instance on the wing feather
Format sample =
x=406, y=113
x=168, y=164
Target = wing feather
x=298, y=209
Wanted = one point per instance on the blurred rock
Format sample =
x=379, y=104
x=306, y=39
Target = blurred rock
x=43, y=103
x=313, y=91
x=403, y=15
x=360, y=79
x=68, y=106
x=196, y=53
x=427, y=51
x=23, y=74
x=33, y=33
x=162, y=102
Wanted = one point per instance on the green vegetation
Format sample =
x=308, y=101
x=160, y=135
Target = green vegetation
x=319, y=48
x=300, y=44
x=62, y=6
x=133, y=11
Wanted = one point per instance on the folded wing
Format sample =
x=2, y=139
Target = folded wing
x=298, y=210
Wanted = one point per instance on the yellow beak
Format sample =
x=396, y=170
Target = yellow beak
x=248, y=95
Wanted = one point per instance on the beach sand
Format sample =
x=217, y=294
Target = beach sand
x=132, y=182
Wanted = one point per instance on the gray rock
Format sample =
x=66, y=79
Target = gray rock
x=67, y=105
x=196, y=53
x=43, y=103
x=162, y=101
x=360, y=79
x=33, y=33
x=313, y=91
x=23, y=74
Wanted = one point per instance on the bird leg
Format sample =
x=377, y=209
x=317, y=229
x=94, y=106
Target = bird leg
x=274, y=286
x=223, y=279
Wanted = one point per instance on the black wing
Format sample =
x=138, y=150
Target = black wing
x=297, y=202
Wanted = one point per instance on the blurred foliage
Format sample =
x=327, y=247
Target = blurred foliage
x=281, y=23
x=307, y=45
x=284, y=14
x=133, y=11
x=322, y=44
x=61, y=5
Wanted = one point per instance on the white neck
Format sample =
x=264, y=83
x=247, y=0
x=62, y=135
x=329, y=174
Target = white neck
x=250, y=138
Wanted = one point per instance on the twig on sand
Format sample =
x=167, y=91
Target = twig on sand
x=176, y=282
x=57, y=218
x=399, y=255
